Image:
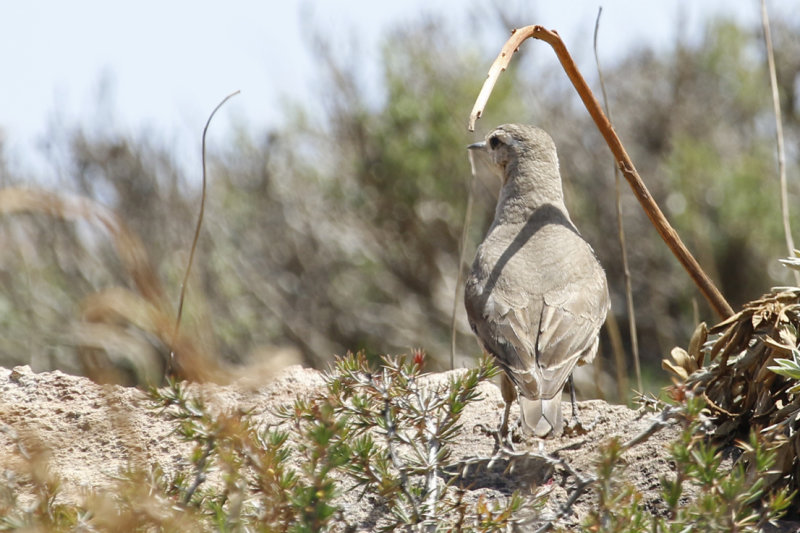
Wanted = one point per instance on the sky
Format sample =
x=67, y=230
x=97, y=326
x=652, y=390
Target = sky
x=160, y=67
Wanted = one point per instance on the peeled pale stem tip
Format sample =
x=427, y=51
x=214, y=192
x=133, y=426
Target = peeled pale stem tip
x=471, y=154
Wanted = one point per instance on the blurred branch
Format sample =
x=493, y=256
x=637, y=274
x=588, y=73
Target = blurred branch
x=151, y=312
x=626, y=271
x=129, y=247
x=776, y=107
x=667, y=232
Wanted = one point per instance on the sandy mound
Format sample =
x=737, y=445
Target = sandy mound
x=93, y=431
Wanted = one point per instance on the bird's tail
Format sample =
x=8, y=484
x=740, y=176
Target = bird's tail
x=541, y=417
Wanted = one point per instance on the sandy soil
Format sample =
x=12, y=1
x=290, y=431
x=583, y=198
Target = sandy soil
x=93, y=431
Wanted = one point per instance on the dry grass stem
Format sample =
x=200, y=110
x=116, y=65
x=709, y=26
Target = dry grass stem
x=461, y=256
x=626, y=272
x=776, y=107
x=198, y=226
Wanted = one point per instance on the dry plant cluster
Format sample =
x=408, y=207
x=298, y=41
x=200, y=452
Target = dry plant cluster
x=747, y=368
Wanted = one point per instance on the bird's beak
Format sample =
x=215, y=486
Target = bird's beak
x=477, y=146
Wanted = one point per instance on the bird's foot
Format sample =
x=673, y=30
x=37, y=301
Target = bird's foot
x=503, y=438
x=576, y=428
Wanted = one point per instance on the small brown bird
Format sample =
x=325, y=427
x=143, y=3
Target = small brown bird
x=536, y=296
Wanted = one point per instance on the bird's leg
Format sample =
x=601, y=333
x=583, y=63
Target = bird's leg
x=575, y=427
x=502, y=431
x=509, y=393
x=502, y=435
x=575, y=421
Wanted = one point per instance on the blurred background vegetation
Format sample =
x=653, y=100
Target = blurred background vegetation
x=340, y=230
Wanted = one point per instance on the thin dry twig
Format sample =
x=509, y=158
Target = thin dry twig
x=566, y=508
x=776, y=108
x=667, y=417
x=667, y=232
x=626, y=272
x=197, y=227
x=581, y=484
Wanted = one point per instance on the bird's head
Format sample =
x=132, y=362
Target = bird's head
x=510, y=144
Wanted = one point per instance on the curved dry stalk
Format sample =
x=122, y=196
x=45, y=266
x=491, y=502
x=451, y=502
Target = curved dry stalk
x=624, y=163
x=626, y=272
x=197, y=227
x=776, y=108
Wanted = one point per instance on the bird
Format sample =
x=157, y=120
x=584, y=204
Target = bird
x=536, y=296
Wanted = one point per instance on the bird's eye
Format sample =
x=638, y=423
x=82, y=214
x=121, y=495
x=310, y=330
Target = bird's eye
x=494, y=142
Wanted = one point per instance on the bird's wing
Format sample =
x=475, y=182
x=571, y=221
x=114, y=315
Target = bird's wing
x=540, y=343
x=490, y=320
x=568, y=331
